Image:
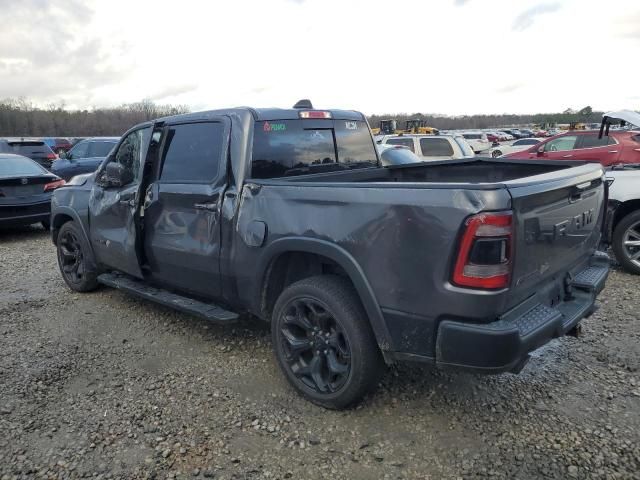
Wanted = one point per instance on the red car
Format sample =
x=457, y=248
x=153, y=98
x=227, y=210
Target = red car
x=620, y=146
x=492, y=137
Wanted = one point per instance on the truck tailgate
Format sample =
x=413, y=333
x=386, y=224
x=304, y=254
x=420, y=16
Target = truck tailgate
x=557, y=221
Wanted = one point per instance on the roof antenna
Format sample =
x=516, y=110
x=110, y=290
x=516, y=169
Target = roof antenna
x=304, y=103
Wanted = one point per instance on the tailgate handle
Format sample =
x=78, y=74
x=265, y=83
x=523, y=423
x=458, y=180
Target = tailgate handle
x=578, y=190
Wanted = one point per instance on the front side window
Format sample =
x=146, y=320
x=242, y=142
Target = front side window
x=192, y=152
x=405, y=142
x=283, y=148
x=561, y=144
x=436, y=147
x=79, y=151
x=129, y=153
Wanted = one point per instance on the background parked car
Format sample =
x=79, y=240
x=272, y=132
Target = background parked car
x=478, y=141
x=34, y=149
x=85, y=157
x=58, y=145
x=518, y=145
x=620, y=146
x=432, y=147
x=25, y=191
x=624, y=215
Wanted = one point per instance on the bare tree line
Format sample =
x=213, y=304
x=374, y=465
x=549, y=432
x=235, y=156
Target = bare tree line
x=19, y=118
x=584, y=115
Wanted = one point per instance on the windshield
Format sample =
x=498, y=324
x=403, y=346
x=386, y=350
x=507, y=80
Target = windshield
x=19, y=167
x=283, y=148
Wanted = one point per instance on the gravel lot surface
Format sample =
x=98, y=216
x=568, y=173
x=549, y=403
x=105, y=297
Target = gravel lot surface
x=103, y=385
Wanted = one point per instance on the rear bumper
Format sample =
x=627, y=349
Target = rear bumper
x=24, y=214
x=504, y=345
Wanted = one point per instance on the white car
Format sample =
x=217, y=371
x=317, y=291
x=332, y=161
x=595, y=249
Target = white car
x=478, y=141
x=624, y=215
x=432, y=147
x=518, y=145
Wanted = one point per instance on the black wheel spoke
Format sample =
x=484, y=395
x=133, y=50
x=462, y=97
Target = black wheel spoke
x=295, y=345
x=315, y=367
x=334, y=365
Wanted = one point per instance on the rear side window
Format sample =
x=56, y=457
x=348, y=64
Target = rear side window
x=192, y=152
x=405, y=142
x=472, y=136
x=436, y=147
x=100, y=149
x=592, y=141
x=283, y=148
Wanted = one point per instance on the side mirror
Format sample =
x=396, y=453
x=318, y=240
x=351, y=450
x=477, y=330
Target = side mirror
x=540, y=150
x=117, y=175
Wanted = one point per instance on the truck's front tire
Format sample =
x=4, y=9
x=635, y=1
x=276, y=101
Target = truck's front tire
x=324, y=343
x=626, y=242
x=73, y=253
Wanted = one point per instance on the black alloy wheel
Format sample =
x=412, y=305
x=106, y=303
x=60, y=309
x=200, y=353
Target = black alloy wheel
x=316, y=347
x=72, y=259
x=324, y=343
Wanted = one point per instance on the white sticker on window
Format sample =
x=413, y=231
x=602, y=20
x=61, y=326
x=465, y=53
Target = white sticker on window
x=351, y=125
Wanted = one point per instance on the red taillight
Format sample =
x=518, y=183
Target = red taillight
x=53, y=185
x=51, y=156
x=314, y=114
x=484, y=258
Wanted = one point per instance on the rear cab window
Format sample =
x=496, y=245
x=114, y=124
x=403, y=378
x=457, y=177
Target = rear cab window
x=436, y=147
x=405, y=142
x=284, y=148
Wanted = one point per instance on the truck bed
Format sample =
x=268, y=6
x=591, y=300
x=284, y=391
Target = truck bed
x=465, y=171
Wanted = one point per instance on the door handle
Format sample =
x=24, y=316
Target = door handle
x=613, y=151
x=567, y=156
x=212, y=207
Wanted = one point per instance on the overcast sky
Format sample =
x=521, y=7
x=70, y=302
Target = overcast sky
x=447, y=56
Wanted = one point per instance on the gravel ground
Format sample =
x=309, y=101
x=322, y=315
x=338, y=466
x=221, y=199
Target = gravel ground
x=103, y=385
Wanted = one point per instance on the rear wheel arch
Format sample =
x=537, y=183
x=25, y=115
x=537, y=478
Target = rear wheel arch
x=287, y=261
x=624, y=209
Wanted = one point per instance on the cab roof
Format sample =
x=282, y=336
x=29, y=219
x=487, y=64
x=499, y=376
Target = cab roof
x=261, y=114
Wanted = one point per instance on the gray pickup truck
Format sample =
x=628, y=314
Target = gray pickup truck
x=287, y=215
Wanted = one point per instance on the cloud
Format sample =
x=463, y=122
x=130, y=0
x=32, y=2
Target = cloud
x=628, y=26
x=59, y=57
x=510, y=88
x=527, y=18
x=173, y=91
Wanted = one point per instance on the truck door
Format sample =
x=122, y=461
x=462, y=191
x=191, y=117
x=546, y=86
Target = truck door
x=182, y=207
x=113, y=211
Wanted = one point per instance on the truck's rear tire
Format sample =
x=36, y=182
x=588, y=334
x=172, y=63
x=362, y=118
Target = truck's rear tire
x=626, y=232
x=324, y=343
x=73, y=254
